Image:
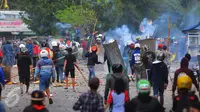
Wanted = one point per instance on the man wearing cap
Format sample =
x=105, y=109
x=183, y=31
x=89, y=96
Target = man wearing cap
x=37, y=102
x=90, y=101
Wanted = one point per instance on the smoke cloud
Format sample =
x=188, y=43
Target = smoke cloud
x=159, y=29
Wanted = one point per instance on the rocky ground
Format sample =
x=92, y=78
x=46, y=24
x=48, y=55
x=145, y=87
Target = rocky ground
x=64, y=99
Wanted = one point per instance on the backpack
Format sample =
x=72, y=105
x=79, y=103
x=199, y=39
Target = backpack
x=183, y=102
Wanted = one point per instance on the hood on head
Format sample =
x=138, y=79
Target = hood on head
x=118, y=75
x=184, y=63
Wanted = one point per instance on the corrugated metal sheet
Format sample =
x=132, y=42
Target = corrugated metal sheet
x=151, y=43
x=113, y=53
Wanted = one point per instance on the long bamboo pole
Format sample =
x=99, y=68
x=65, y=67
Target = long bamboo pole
x=93, y=32
x=169, y=28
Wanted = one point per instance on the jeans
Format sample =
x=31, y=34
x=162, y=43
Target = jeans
x=2, y=108
x=60, y=72
x=91, y=71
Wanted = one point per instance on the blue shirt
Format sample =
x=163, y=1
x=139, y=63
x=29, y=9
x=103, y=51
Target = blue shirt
x=136, y=51
x=30, y=49
x=45, y=67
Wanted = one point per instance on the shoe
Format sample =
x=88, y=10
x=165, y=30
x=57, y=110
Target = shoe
x=66, y=87
x=74, y=90
x=50, y=101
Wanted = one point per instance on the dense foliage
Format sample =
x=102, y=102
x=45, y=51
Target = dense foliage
x=43, y=14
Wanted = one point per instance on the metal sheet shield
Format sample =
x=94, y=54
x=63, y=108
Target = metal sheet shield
x=151, y=43
x=113, y=53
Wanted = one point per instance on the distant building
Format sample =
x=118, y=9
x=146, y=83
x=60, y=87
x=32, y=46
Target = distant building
x=193, y=40
x=12, y=25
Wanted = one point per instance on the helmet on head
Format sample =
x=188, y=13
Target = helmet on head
x=184, y=81
x=160, y=46
x=137, y=38
x=54, y=44
x=21, y=45
x=137, y=45
x=94, y=48
x=143, y=86
x=68, y=42
x=164, y=47
x=44, y=53
x=100, y=35
x=132, y=46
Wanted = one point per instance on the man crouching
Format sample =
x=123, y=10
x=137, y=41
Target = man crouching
x=46, y=69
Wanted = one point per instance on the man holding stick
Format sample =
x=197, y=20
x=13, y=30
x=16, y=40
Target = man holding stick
x=70, y=62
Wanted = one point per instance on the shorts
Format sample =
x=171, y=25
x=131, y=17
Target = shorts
x=158, y=90
x=44, y=84
x=25, y=79
x=71, y=71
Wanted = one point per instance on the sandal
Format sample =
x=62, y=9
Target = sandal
x=50, y=101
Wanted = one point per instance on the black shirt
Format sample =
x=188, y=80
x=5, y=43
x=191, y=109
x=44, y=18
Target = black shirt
x=92, y=59
x=70, y=58
x=23, y=64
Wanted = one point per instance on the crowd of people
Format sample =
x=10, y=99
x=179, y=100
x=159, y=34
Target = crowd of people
x=148, y=69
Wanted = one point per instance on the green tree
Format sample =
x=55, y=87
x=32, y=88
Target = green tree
x=39, y=14
x=76, y=15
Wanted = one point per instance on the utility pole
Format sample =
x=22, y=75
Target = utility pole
x=169, y=28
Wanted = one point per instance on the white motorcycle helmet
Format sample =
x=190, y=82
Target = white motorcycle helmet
x=22, y=46
x=100, y=35
x=44, y=53
x=137, y=45
x=54, y=44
